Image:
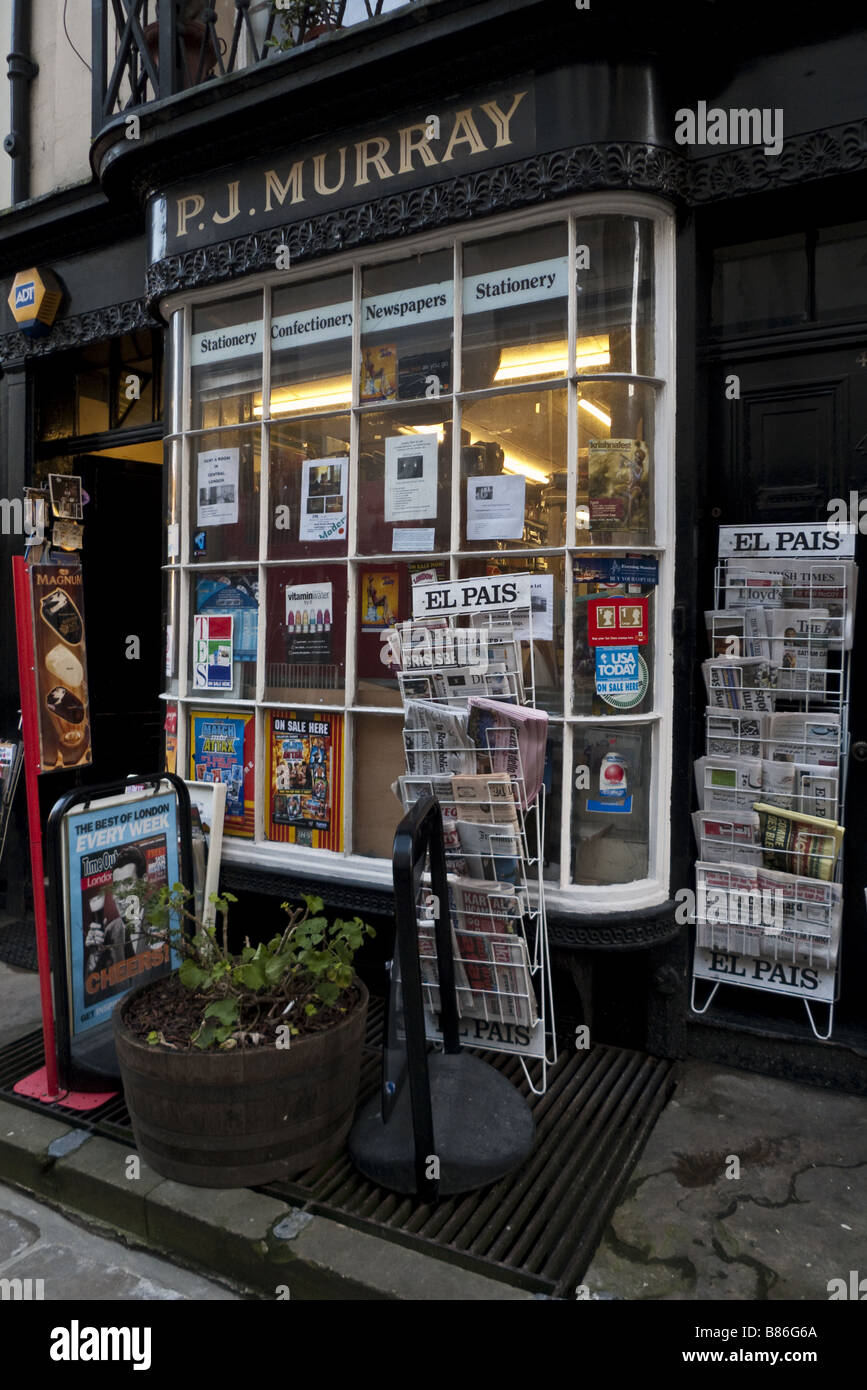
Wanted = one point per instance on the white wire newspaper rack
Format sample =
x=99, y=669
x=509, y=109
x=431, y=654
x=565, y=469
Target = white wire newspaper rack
x=493, y=822
x=771, y=787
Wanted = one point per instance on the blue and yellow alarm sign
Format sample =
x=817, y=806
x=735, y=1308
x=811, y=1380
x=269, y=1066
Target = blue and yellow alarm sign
x=34, y=300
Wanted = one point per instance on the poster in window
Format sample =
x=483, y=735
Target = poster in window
x=222, y=750
x=378, y=596
x=236, y=594
x=411, y=477
x=309, y=623
x=495, y=507
x=305, y=779
x=423, y=375
x=217, y=487
x=60, y=667
x=112, y=850
x=323, y=499
x=212, y=652
x=618, y=484
x=379, y=373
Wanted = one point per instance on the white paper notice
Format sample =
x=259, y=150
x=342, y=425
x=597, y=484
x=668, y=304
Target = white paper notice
x=218, y=488
x=414, y=538
x=495, y=508
x=541, y=609
x=411, y=477
x=323, y=500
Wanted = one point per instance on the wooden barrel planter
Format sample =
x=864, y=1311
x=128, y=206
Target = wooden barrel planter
x=249, y=1116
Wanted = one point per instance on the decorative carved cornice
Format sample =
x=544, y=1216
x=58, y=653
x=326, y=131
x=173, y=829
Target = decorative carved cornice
x=80, y=329
x=632, y=934
x=820, y=154
x=582, y=169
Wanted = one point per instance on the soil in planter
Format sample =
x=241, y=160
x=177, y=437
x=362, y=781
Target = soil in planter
x=168, y=1007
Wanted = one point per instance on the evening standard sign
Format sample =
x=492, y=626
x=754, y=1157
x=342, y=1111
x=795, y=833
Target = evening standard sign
x=798, y=541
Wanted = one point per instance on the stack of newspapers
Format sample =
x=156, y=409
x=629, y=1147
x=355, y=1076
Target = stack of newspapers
x=483, y=759
x=768, y=788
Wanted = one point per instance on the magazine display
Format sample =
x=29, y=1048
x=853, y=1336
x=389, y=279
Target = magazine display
x=473, y=745
x=769, y=788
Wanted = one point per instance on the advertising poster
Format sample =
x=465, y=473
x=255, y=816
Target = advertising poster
x=424, y=375
x=378, y=595
x=379, y=373
x=217, y=483
x=170, y=728
x=60, y=669
x=323, y=500
x=618, y=484
x=305, y=779
x=495, y=507
x=309, y=623
x=222, y=750
x=212, y=652
x=617, y=621
x=66, y=496
x=111, y=851
x=411, y=477
x=237, y=594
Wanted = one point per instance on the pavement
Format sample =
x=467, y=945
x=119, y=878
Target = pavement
x=749, y=1188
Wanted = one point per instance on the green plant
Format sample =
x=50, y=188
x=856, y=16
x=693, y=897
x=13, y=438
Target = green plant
x=300, y=18
x=246, y=997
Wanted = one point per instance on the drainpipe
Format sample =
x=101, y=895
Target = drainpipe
x=22, y=71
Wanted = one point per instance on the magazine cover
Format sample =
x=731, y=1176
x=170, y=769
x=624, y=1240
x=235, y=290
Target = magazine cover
x=379, y=373
x=304, y=804
x=110, y=852
x=222, y=750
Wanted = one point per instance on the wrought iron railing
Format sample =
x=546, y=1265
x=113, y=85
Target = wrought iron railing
x=144, y=50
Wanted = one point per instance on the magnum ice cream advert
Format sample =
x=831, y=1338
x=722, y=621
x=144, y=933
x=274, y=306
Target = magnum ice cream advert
x=61, y=667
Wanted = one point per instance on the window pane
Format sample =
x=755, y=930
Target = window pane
x=514, y=301
x=174, y=453
x=841, y=272
x=610, y=820
x=548, y=619
x=232, y=593
x=311, y=346
x=616, y=463
x=384, y=598
x=407, y=315
x=404, y=479
x=171, y=605
x=379, y=761
x=614, y=628
x=305, y=642
x=614, y=279
x=310, y=478
x=513, y=471
x=224, y=495
x=760, y=285
x=226, y=361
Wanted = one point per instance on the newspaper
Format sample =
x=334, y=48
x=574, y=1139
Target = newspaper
x=734, y=734
x=740, y=683
x=493, y=955
x=799, y=647
x=728, y=783
x=803, y=738
x=732, y=837
x=436, y=739
x=798, y=844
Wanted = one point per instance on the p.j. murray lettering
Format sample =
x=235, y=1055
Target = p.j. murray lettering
x=470, y=132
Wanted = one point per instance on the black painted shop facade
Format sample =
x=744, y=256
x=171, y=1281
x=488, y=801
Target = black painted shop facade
x=679, y=267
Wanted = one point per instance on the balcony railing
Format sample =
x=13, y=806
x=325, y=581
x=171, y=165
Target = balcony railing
x=144, y=50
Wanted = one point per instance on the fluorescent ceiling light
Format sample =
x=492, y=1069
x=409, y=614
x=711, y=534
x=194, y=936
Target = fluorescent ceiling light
x=423, y=429
x=551, y=359
x=594, y=410
x=513, y=464
x=321, y=395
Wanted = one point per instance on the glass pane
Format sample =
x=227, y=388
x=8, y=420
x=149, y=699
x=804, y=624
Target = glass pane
x=311, y=346
x=309, y=488
x=224, y=495
x=615, y=463
x=384, y=598
x=404, y=479
x=614, y=628
x=614, y=280
x=513, y=471
x=305, y=642
x=223, y=660
x=407, y=316
x=841, y=272
x=548, y=621
x=174, y=458
x=515, y=308
x=226, y=360
x=379, y=761
x=760, y=285
x=175, y=373
x=610, y=822
x=138, y=376
x=171, y=606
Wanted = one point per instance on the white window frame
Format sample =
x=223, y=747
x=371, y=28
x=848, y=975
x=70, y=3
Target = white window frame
x=374, y=873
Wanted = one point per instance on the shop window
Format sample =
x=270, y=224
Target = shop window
x=841, y=272
x=352, y=430
x=111, y=385
x=762, y=284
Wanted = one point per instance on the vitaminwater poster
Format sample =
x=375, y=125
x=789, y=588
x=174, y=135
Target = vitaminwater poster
x=305, y=781
x=222, y=750
x=60, y=667
x=309, y=609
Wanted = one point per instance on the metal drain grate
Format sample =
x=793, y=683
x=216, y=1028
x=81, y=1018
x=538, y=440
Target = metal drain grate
x=536, y=1228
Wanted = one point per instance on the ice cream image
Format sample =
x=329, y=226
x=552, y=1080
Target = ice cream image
x=64, y=666
x=61, y=614
x=65, y=705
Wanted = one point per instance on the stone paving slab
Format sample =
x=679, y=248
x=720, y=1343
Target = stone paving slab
x=749, y=1187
